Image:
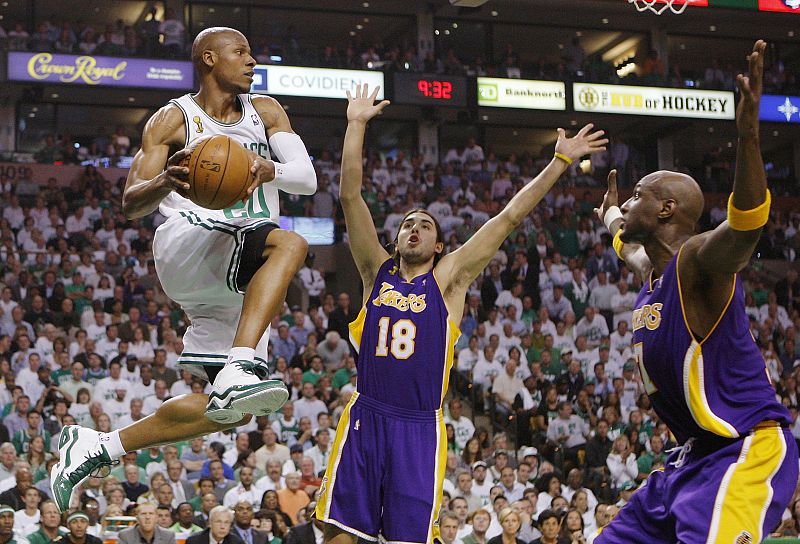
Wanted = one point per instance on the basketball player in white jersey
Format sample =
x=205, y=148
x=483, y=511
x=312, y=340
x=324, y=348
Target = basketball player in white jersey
x=228, y=269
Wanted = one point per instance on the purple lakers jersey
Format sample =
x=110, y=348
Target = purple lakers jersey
x=717, y=385
x=404, y=341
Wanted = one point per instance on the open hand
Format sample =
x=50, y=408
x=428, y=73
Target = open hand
x=749, y=86
x=585, y=142
x=611, y=197
x=362, y=107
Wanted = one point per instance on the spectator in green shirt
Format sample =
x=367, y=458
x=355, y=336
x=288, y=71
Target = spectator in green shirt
x=342, y=376
x=50, y=528
x=22, y=438
x=314, y=373
x=655, y=456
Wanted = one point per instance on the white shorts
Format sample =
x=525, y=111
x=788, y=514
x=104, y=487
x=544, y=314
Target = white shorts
x=204, y=265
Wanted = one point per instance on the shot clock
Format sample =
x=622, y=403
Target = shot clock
x=430, y=90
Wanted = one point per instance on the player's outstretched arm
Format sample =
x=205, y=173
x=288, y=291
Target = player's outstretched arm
x=462, y=266
x=634, y=255
x=294, y=173
x=728, y=248
x=364, y=244
x=148, y=183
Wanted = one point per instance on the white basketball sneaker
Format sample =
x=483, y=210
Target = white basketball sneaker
x=242, y=387
x=80, y=455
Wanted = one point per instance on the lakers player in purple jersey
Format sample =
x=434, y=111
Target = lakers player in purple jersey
x=387, y=464
x=738, y=465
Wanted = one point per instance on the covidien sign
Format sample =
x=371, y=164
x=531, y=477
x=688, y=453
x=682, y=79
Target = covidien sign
x=312, y=82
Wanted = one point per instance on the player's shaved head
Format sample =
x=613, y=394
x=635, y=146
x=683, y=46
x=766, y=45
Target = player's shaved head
x=212, y=39
x=681, y=188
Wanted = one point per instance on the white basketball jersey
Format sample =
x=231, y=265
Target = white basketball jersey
x=249, y=130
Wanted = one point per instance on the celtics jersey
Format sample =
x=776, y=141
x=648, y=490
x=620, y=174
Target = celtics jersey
x=249, y=131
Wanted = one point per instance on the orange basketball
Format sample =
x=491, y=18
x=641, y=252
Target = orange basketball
x=219, y=172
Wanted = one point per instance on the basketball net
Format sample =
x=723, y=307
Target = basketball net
x=659, y=6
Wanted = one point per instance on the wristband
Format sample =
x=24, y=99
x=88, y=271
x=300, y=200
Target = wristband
x=618, y=244
x=749, y=219
x=563, y=157
x=611, y=215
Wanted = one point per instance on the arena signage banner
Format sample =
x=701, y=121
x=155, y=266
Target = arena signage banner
x=100, y=71
x=655, y=101
x=528, y=94
x=312, y=82
x=780, y=108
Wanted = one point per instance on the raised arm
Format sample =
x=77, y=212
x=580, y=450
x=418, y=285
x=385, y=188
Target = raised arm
x=462, y=266
x=367, y=250
x=634, y=255
x=148, y=183
x=728, y=248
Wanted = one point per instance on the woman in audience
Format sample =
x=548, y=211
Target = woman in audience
x=271, y=525
x=572, y=527
x=510, y=522
x=471, y=453
x=269, y=502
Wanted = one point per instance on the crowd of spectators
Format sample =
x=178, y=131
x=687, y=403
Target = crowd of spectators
x=168, y=38
x=149, y=38
x=544, y=363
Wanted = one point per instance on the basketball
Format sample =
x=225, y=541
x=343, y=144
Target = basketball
x=219, y=172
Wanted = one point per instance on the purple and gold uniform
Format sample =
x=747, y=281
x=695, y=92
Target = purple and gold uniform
x=738, y=467
x=388, y=459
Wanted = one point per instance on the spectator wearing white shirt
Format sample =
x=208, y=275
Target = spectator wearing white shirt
x=321, y=452
x=568, y=431
x=557, y=304
x=621, y=462
x=506, y=387
x=621, y=338
x=493, y=324
x=511, y=297
x=77, y=222
x=312, y=279
x=622, y=303
x=309, y=405
x=602, y=295
x=592, y=326
x=463, y=426
x=468, y=358
x=106, y=389
x=512, y=489
x=107, y=347
x=245, y=491
x=776, y=312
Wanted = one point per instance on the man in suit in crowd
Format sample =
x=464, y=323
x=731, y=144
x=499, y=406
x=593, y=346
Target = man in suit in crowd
x=146, y=529
x=242, y=519
x=220, y=520
x=306, y=533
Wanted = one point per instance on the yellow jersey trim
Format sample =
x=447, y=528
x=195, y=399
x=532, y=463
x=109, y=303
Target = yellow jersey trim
x=695, y=394
x=356, y=328
x=745, y=492
x=683, y=307
x=326, y=495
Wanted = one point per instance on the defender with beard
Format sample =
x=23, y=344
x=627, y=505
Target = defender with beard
x=387, y=465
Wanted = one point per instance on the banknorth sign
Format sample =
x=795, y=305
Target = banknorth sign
x=312, y=82
x=495, y=92
x=100, y=71
x=655, y=101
